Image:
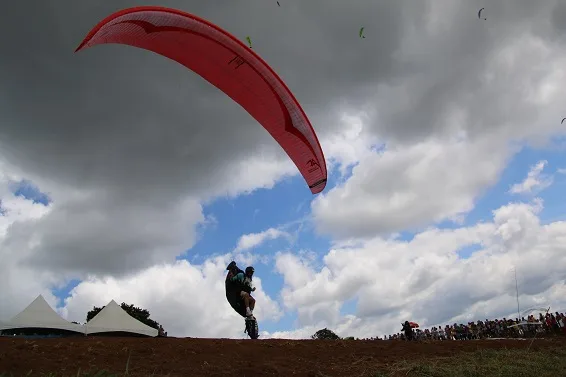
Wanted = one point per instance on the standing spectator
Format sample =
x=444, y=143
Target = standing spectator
x=554, y=324
x=408, y=330
x=448, y=332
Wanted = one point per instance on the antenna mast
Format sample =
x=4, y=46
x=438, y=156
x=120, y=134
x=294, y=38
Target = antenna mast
x=517, y=291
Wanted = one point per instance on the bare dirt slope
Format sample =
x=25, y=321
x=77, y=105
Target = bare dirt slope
x=224, y=357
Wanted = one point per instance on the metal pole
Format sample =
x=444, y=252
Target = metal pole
x=517, y=290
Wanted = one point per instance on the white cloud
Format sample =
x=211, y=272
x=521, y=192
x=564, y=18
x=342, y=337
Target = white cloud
x=349, y=144
x=561, y=171
x=535, y=181
x=402, y=188
x=247, y=242
x=425, y=280
x=80, y=237
x=260, y=171
x=253, y=240
x=20, y=283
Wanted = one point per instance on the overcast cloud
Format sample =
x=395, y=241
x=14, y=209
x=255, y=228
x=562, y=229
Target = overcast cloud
x=429, y=109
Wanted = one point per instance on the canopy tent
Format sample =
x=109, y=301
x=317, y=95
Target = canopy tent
x=112, y=318
x=40, y=315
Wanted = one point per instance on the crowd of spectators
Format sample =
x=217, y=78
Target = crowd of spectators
x=550, y=324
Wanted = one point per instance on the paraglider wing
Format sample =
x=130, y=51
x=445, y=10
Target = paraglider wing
x=479, y=13
x=226, y=63
x=525, y=323
x=362, y=32
x=414, y=325
x=532, y=310
x=563, y=120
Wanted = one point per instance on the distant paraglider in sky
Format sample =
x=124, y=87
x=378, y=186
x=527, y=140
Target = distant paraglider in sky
x=563, y=120
x=225, y=62
x=362, y=32
x=249, y=41
x=479, y=13
x=278, y=4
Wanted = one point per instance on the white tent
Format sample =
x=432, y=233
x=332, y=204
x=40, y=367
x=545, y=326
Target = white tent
x=112, y=318
x=39, y=314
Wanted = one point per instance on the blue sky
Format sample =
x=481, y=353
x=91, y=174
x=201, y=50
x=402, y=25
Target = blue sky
x=279, y=206
x=517, y=169
x=287, y=206
x=30, y=191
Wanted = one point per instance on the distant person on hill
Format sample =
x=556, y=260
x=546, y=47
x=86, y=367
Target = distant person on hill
x=407, y=330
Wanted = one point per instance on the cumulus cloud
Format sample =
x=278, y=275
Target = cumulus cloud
x=350, y=144
x=461, y=75
x=426, y=280
x=253, y=240
x=409, y=187
x=20, y=283
x=535, y=181
x=450, y=125
x=244, y=250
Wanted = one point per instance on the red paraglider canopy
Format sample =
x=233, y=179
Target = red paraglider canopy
x=229, y=65
x=414, y=325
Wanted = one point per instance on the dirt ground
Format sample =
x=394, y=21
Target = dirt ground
x=225, y=357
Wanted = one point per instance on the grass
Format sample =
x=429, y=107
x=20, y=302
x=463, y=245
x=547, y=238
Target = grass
x=481, y=363
x=485, y=363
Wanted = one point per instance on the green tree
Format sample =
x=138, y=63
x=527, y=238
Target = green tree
x=140, y=314
x=325, y=334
